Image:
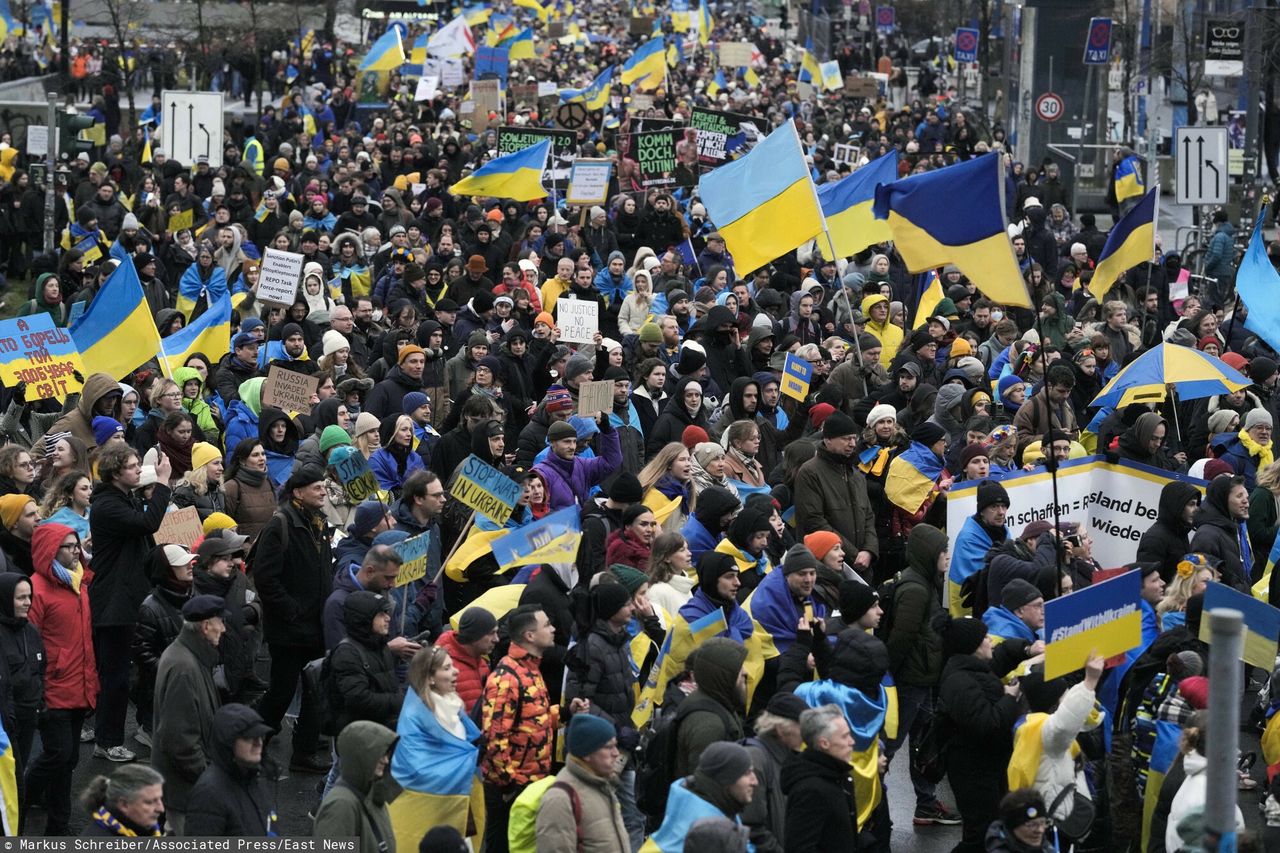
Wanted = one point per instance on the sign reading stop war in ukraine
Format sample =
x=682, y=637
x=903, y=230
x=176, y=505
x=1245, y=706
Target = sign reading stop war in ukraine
x=1116, y=503
x=1103, y=619
x=485, y=489
x=34, y=351
x=723, y=136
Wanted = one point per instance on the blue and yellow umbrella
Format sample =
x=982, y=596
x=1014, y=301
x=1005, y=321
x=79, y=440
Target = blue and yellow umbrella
x=1190, y=373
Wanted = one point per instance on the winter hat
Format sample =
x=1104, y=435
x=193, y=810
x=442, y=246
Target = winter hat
x=972, y=452
x=820, y=542
x=365, y=422
x=838, y=425
x=630, y=579
x=608, y=599
x=746, y=524
x=723, y=763
x=963, y=636
x=333, y=436
x=413, y=401
x=587, y=733
x=1216, y=468
x=332, y=342
x=105, y=428
x=990, y=492
x=442, y=839
x=475, y=624
x=1008, y=381
x=307, y=475
x=408, y=350
x=789, y=706
x=693, y=436
x=1033, y=531
x=880, y=412
x=1022, y=806
x=625, y=489
x=712, y=565
x=1262, y=368
x=928, y=434
x=289, y=330
x=583, y=427
x=818, y=415
x=797, y=558
x=545, y=317
x=218, y=521
x=1018, y=593
x=706, y=452
x=1195, y=689
x=1236, y=360
x=856, y=598
x=202, y=607
x=1256, y=417
x=961, y=347
x=202, y=453
x=691, y=361
x=558, y=399
x=577, y=366
x=11, y=507
x=365, y=518
x=650, y=333
x=560, y=430
x=716, y=835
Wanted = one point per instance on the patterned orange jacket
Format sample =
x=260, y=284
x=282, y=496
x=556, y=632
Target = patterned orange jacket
x=519, y=722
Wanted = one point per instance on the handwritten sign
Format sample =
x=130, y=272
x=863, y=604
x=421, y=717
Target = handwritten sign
x=34, y=351
x=180, y=527
x=358, y=482
x=288, y=390
x=589, y=181
x=595, y=397
x=279, y=277
x=413, y=556
x=485, y=489
x=736, y=54
x=428, y=86
x=578, y=319
x=796, y=375
x=1105, y=618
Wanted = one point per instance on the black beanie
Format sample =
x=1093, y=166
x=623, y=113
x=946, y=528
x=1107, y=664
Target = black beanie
x=990, y=492
x=1019, y=593
x=289, y=330
x=838, y=425
x=745, y=525
x=963, y=636
x=799, y=557
x=608, y=599
x=856, y=598
x=1042, y=696
x=474, y=624
x=712, y=565
x=928, y=434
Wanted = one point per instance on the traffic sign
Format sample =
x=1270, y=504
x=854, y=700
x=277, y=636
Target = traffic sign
x=192, y=126
x=1097, y=49
x=966, y=44
x=885, y=19
x=1049, y=107
x=1201, y=176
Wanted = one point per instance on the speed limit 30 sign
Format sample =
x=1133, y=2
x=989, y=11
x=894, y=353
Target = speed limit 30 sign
x=1049, y=106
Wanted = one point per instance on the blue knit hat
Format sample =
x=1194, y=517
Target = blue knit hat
x=412, y=401
x=1008, y=381
x=104, y=428
x=588, y=733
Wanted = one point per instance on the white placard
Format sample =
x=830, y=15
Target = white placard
x=192, y=126
x=451, y=73
x=278, y=280
x=38, y=141
x=578, y=320
x=427, y=88
x=547, y=89
x=589, y=181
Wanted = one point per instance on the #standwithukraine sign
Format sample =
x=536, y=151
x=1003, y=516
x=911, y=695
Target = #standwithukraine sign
x=1105, y=618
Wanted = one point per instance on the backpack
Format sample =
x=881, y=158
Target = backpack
x=655, y=757
x=929, y=751
x=522, y=824
x=888, y=592
x=973, y=593
x=317, y=676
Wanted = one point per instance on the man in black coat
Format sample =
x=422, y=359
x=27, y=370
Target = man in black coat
x=1165, y=542
x=231, y=797
x=821, y=810
x=237, y=366
x=293, y=568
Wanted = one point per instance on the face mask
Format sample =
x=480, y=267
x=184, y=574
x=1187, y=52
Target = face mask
x=997, y=316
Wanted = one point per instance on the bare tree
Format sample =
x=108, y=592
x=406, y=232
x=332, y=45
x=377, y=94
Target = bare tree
x=124, y=17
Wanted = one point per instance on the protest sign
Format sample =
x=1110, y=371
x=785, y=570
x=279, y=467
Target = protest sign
x=589, y=181
x=563, y=149
x=288, y=390
x=34, y=351
x=655, y=155
x=485, y=489
x=736, y=54
x=1261, y=623
x=413, y=558
x=842, y=153
x=861, y=86
x=1115, y=503
x=279, y=277
x=487, y=97
x=641, y=26
x=723, y=136
x=428, y=86
x=77, y=308
x=796, y=375
x=578, y=320
x=640, y=101
x=595, y=397
x=1104, y=618
x=358, y=482
x=180, y=527
x=452, y=74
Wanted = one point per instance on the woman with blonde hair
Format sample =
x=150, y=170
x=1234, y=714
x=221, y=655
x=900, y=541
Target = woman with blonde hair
x=365, y=435
x=201, y=487
x=435, y=759
x=637, y=305
x=671, y=577
x=668, y=486
x=1193, y=575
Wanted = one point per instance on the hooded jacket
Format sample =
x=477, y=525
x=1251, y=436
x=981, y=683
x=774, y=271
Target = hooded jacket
x=363, y=683
x=22, y=652
x=79, y=421
x=243, y=413
x=915, y=647
x=1220, y=535
x=186, y=700
x=230, y=798
x=1134, y=443
x=714, y=711
x=1165, y=541
x=357, y=805
x=675, y=417
x=60, y=611
x=889, y=335
x=122, y=528
x=703, y=531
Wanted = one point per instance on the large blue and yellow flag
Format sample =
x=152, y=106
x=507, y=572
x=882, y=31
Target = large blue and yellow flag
x=1128, y=178
x=522, y=45
x=810, y=68
x=210, y=333
x=847, y=203
x=930, y=295
x=517, y=176
x=418, y=55
x=705, y=23
x=1130, y=242
x=1163, y=753
x=595, y=96
x=8, y=785
x=543, y=12
x=116, y=333
x=682, y=638
x=1258, y=284
x=387, y=53
x=764, y=203
x=955, y=215
x=913, y=475
x=552, y=539
x=648, y=59
x=718, y=84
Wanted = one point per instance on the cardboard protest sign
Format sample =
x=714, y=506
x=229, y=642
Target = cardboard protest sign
x=413, y=555
x=279, y=277
x=180, y=527
x=485, y=489
x=595, y=397
x=288, y=390
x=1116, y=503
x=589, y=181
x=1105, y=618
x=796, y=375
x=358, y=482
x=578, y=320
x=1261, y=623
x=34, y=351
x=736, y=54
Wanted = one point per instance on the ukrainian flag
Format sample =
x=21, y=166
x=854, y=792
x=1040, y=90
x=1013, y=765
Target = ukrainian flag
x=810, y=68
x=1261, y=622
x=648, y=59
x=1163, y=753
x=705, y=23
x=1130, y=242
x=387, y=53
x=115, y=334
x=209, y=333
x=522, y=45
x=764, y=203
x=418, y=55
x=929, y=231
x=913, y=476
x=499, y=601
x=8, y=785
x=553, y=539
x=1258, y=284
x=477, y=544
x=517, y=176
x=752, y=79
x=930, y=295
x=682, y=638
x=476, y=15
x=543, y=13
x=846, y=204
x=718, y=84
x=831, y=79
x=1128, y=178
x=594, y=96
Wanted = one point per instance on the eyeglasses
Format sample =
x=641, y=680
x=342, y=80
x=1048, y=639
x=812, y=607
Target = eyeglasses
x=172, y=395
x=73, y=547
x=27, y=464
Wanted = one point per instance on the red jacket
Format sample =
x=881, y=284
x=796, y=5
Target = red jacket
x=621, y=547
x=62, y=616
x=472, y=671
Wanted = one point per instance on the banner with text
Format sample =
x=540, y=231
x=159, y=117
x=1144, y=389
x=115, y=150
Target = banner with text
x=724, y=136
x=563, y=149
x=1105, y=619
x=34, y=351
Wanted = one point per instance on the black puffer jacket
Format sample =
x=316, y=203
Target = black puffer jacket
x=23, y=654
x=1165, y=542
x=362, y=670
x=213, y=500
x=821, y=810
x=122, y=528
x=983, y=716
x=602, y=674
x=230, y=798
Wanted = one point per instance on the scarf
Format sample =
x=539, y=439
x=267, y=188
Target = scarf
x=249, y=477
x=179, y=454
x=447, y=710
x=112, y=824
x=68, y=577
x=748, y=462
x=1262, y=452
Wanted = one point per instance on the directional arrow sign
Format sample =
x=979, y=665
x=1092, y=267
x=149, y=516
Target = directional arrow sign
x=192, y=126
x=1200, y=176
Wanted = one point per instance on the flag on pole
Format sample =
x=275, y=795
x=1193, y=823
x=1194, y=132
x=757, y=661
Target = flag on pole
x=517, y=176
x=387, y=53
x=1130, y=242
